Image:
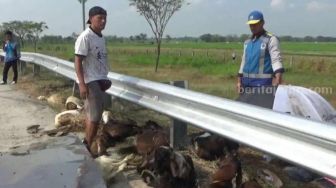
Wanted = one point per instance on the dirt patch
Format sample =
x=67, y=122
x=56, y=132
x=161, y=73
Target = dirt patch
x=54, y=87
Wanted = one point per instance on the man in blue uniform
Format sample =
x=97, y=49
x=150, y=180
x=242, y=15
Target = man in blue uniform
x=10, y=48
x=261, y=67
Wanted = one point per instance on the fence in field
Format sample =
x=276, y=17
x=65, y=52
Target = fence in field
x=292, y=61
x=304, y=142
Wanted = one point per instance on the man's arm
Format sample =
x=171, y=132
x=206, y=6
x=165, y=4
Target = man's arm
x=80, y=75
x=240, y=73
x=81, y=51
x=277, y=66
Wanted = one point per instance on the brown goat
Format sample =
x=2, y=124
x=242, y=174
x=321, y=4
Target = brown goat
x=150, y=137
x=112, y=132
x=229, y=168
x=174, y=170
x=118, y=130
x=146, y=143
x=211, y=147
x=100, y=144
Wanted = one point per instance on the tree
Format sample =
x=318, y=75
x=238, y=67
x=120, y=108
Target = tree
x=137, y=37
x=168, y=38
x=131, y=38
x=308, y=39
x=2, y=30
x=243, y=37
x=143, y=37
x=51, y=39
x=35, y=29
x=83, y=11
x=206, y=37
x=157, y=13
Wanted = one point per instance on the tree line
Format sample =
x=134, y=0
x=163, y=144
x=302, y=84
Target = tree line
x=143, y=38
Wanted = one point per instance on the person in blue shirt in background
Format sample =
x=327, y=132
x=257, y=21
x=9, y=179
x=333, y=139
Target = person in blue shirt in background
x=10, y=47
x=261, y=68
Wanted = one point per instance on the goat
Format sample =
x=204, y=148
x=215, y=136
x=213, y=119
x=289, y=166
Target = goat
x=174, y=169
x=100, y=144
x=146, y=143
x=69, y=117
x=210, y=146
x=111, y=133
x=229, y=168
x=118, y=130
x=150, y=137
x=111, y=167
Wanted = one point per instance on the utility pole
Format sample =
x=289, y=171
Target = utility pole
x=83, y=9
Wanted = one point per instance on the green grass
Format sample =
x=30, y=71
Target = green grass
x=322, y=48
x=292, y=47
x=183, y=45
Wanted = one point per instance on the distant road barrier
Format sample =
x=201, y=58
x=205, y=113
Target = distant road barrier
x=304, y=142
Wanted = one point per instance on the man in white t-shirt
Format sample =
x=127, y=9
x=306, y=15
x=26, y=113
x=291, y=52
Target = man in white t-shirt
x=92, y=69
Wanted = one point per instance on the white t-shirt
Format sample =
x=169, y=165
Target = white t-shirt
x=93, y=47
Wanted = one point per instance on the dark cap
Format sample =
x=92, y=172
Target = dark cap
x=8, y=33
x=96, y=11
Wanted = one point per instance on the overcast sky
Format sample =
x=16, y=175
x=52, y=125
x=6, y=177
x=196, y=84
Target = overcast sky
x=283, y=17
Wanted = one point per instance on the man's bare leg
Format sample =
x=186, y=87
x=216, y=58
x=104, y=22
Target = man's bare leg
x=91, y=129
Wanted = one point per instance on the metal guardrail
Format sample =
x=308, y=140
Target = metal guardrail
x=304, y=142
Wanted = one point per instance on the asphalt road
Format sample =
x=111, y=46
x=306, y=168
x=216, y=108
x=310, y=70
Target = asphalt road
x=17, y=112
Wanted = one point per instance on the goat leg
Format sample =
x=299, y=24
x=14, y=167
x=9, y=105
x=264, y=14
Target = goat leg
x=239, y=176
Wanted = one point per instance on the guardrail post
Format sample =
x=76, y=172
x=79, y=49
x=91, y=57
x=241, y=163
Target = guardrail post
x=22, y=67
x=75, y=90
x=178, y=129
x=36, y=70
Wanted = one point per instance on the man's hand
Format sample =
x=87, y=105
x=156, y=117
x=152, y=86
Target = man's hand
x=83, y=90
x=239, y=87
x=277, y=80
